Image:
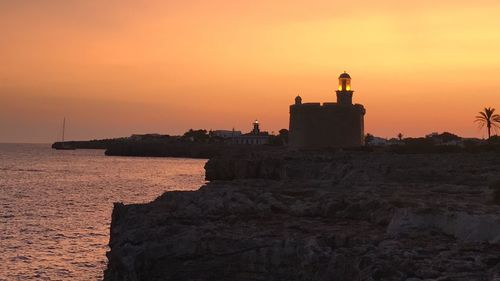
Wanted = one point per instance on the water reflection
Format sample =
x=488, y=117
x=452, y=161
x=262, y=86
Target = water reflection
x=55, y=206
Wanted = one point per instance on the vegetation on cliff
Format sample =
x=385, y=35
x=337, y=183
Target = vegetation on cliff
x=487, y=118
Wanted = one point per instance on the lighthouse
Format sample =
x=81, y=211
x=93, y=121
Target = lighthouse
x=344, y=92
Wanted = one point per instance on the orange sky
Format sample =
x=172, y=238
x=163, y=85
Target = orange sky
x=114, y=68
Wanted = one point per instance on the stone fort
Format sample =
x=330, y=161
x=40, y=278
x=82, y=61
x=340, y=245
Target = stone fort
x=327, y=125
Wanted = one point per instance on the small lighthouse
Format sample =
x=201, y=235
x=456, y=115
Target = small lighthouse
x=256, y=129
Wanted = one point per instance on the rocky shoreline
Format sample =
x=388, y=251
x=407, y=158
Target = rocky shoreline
x=164, y=148
x=90, y=144
x=279, y=215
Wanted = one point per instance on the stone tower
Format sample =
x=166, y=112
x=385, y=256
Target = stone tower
x=344, y=93
x=328, y=125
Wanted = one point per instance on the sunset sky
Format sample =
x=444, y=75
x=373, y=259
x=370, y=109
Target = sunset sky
x=114, y=68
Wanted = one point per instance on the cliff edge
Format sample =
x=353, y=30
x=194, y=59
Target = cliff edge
x=319, y=216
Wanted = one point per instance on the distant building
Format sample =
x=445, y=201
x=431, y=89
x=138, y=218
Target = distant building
x=226, y=134
x=339, y=124
x=378, y=141
x=255, y=137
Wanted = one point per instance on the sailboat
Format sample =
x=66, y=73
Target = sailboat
x=63, y=145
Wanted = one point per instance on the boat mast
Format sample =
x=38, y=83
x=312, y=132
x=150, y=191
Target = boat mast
x=64, y=128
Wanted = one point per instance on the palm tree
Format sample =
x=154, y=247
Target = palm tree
x=488, y=118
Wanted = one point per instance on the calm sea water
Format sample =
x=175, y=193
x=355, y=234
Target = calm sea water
x=55, y=206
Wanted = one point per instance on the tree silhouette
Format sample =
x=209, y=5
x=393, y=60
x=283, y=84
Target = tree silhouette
x=280, y=139
x=400, y=136
x=196, y=135
x=488, y=118
x=369, y=138
x=283, y=134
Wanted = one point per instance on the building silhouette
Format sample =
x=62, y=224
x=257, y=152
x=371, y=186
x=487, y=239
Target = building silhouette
x=226, y=134
x=255, y=137
x=328, y=125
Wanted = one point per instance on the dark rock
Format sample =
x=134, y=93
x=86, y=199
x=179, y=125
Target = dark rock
x=495, y=186
x=317, y=216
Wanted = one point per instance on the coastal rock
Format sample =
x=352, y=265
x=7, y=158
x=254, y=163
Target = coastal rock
x=318, y=216
x=200, y=150
x=461, y=225
x=246, y=166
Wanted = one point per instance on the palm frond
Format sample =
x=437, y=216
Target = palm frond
x=480, y=123
x=495, y=127
x=489, y=111
x=482, y=115
x=481, y=119
x=495, y=120
x=495, y=123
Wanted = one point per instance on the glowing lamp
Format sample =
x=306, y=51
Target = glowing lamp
x=344, y=82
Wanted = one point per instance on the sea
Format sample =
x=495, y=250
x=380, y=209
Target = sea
x=55, y=206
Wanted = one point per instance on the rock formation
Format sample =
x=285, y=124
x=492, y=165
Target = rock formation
x=180, y=149
x=319, y=216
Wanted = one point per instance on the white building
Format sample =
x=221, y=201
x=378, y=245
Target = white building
x=226, y=134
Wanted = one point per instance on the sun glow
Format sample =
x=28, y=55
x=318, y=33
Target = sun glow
x=115, y=68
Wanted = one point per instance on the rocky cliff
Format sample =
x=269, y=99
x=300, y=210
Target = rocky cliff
x=181, y=149
x=319, y=216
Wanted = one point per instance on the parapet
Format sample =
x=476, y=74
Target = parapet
x=330, y=104
x=324, y=105
x=311, y=104
x=316, y=107
x=360, y=107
